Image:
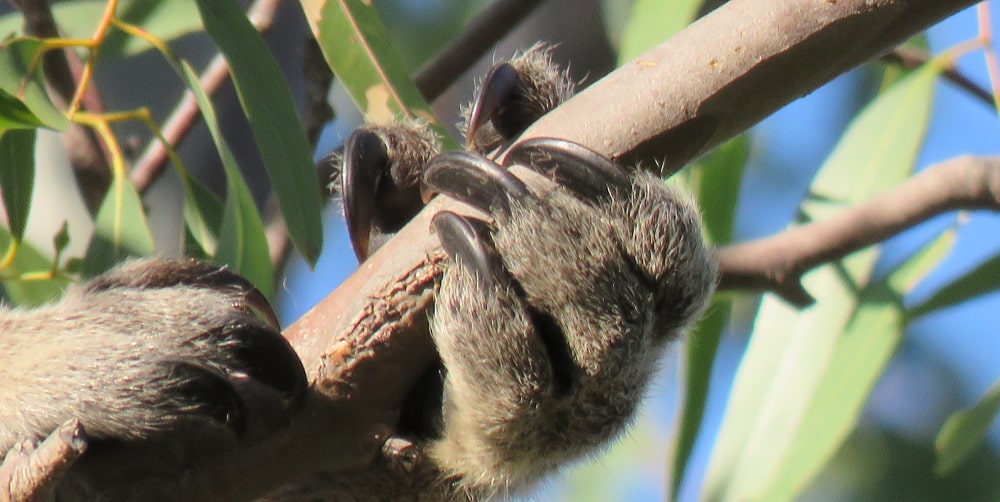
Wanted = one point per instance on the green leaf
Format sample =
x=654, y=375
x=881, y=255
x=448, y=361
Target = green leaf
x=15, y=57
x=716, y=179
x=806, y=373
x=61, y=239
x=120, y=229
x=980, y=280
x=963, y=432
x=268, y=105
x=356, y=46
x=202, y=215
x=242, y=244
x=17, y=176
x=14, y=114
x=862, y=352
x=652, y=22
x=167, y=20
x=881, y=145
x=29, y=293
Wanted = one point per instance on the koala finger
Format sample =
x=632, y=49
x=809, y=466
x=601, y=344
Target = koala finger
x=499, y=381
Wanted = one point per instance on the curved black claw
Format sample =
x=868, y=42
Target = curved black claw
x=581, y=170
x=496, y=114
x=513, y=95
x=469, y=240
x=268, y=358
x=215, y=395
x=475, y=180
x=166, y=273
x=376, y=203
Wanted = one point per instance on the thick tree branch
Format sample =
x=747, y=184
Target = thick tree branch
x=366, y=343
x=777, y=263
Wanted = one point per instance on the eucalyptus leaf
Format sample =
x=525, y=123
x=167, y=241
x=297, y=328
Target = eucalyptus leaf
x=268, y=105
x=17, y=176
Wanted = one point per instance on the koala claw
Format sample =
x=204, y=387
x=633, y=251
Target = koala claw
x=571, y=165
x=500, y=88
x=468, y=240
x=379, y=181
x=473, y=179
x=512, y=96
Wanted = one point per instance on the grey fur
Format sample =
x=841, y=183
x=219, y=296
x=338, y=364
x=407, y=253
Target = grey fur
x=132, y=354
x=621, y=280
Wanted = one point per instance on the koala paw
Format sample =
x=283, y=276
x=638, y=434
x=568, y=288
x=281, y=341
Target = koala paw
x=553, y=316
x=149, y=347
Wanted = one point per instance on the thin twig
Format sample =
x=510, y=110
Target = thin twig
x=482, y=33
x=912, y=58
x=777, y=263
x=185, y=115
x=31, y=473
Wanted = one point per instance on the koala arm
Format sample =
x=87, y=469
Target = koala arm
x=173, y=358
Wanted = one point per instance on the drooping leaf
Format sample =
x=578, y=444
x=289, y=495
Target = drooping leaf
x=202, y=215
x=963, y=432
x=242, y=244
x=794, y=355
x=14, y=114
x=17, y=176
x=716, y=180
x=268, y=105
x=862, y=352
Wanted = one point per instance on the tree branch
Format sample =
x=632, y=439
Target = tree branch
x=777, y=263
x=31, y=473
